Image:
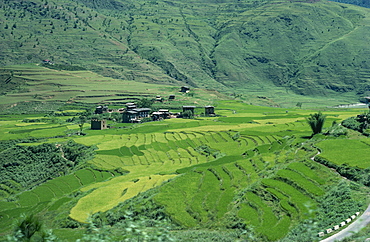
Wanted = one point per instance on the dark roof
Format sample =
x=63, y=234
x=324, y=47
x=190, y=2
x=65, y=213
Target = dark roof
x=142, y=109
x=131, y=112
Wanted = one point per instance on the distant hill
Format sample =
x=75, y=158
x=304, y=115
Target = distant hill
x=362, y=3
x=270, y=47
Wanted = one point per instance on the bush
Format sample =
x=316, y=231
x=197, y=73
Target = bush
x=316, y=122
x=336, y=130
x=352, y=123
x=188, y=114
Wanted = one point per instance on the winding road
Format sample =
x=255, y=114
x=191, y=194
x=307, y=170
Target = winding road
x=354, y=227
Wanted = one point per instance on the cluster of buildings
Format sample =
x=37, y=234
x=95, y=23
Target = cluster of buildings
x=132, y=114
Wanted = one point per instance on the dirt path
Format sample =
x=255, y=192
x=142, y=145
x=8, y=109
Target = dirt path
x=354, y=227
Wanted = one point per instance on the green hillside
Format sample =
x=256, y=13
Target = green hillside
x=269, y=47
x=362, y=3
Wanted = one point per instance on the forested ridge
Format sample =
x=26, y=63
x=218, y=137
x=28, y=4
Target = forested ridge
x=262, y=47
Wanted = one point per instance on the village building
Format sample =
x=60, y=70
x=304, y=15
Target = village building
x=187, y=108
x=158, y=98
x=130, y=106
x=209, y=110
x=171, y=97
x=135, y=115
x=336, y=227
x=101, y=109
x=342, y=224
x=321, y=234
x=97, y=124
x=185, y=89
x=328, y=231
x=47, y=62
x=161, y=114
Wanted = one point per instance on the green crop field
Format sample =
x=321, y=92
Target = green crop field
x=254, y=171
x=353, y=152
x=252, y=166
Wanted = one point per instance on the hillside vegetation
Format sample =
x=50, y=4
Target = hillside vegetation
x=362, y=3
x=268, y=48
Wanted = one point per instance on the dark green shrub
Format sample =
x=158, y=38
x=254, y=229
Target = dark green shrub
x=316, y=122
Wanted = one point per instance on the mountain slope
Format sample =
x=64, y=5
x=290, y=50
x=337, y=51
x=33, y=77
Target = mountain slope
x=271, y=47
x=362, y=3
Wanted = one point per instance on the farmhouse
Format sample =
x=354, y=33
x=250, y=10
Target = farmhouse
x=135, y=115
x=161, y=114
x=130, y=106
x=101, y=109
x=158, y=98
x=171, y=97
x=209, y=110
x=185, y=89
x=47, y=61
x=97, y=124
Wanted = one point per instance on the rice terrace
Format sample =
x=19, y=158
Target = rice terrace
x=244, y=173
x=197, y=120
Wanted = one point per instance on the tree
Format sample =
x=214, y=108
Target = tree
x=30, y=228
x=145, y=103
x=81, y=122
x=26, y=228
x=316, y=122
x=188, y=114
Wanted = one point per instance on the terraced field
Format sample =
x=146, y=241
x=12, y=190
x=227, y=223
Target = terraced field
x=254, y=170
x=50, y=195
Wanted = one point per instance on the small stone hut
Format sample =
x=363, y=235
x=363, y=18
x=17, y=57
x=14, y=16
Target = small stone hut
x=97, y=124
x=209, y=110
